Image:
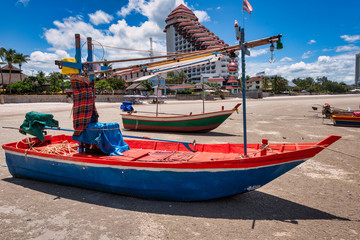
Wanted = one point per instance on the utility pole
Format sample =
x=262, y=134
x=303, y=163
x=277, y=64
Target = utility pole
x=151, y=50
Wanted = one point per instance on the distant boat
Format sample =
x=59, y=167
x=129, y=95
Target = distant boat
x=160, y=170
x=347, y=120
x=183, y=123
x=328, y=111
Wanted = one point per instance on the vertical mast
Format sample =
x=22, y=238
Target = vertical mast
x=78, y=50
x=243, y=49
x=90, y=57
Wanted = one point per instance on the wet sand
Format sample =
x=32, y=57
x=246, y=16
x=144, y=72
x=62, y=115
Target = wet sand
x=317, y=200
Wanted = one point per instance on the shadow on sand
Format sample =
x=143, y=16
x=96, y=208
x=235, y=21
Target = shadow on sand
x=254, y=205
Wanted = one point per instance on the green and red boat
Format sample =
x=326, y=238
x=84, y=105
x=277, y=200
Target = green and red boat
x=184, y=123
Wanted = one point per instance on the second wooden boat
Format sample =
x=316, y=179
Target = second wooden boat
x=184, y=123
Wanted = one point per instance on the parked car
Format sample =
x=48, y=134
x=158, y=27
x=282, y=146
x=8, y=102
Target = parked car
x=355, y=90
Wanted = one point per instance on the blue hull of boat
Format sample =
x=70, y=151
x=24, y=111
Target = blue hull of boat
x=151, y=183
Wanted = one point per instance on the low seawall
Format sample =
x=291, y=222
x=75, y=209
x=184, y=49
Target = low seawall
x=55, y=98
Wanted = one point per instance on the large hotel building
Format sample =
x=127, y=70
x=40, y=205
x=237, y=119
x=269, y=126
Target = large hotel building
x=184, y=33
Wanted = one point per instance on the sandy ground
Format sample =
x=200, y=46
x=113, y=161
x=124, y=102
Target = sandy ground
x=317, y=200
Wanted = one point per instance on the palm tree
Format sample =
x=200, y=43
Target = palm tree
x=2, y=55
x=182, y=77
x=266, y=83
x=279, y=84
x=21, y=58
x=10, y=58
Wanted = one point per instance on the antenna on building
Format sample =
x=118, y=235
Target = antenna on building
x=151, y=50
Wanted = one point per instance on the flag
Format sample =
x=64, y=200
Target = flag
x=247, y=6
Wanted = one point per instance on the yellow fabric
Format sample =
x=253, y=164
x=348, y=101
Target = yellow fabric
x=67, y=70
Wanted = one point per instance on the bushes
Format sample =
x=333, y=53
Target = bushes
x=186, y=91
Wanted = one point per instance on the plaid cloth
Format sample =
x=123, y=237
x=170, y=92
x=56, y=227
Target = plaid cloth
x=84, y=110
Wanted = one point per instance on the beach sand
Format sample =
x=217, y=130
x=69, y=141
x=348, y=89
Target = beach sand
x=317, y=200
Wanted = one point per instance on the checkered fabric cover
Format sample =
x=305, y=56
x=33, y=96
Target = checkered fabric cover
x=84, y=110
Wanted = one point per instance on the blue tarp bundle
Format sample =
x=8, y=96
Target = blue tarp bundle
x=107, y=136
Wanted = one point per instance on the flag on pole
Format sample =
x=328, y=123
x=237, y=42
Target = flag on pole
x=247, y=6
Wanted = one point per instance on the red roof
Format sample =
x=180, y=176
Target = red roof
x=232, y=79
x=254, y=79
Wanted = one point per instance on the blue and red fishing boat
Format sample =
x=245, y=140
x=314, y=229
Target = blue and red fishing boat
x=159, y=170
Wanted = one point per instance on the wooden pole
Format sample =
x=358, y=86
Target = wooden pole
x=78, y=49
x=90, y=57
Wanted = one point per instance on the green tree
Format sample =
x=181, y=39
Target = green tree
x=21, y=87
x=56, y=81
x=182, y=77
x=9, y=57
x=266, y=83
x=40, y=82
x=335, y=87
x=102, y=85
x=2, y=56
x=279, y=84
x=20, y=59
x=171, y=78
x=116, y=83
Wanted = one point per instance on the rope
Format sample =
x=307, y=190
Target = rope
x=62, y=149
x=337, y=151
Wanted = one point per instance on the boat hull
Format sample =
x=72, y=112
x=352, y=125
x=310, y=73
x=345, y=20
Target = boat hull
x=186, y=123
x=346, y=120
x=160, y=184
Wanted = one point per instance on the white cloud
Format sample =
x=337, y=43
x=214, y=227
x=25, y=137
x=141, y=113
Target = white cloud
x=337, y=68
x=306, y=55
x=100, y=17
x=311, y=41
x=218, y=8
x=202, y=16
x=327, y=49
x=347, y=48
x=350, y=38
x=257, y=52
x=62, y=36
x=155, y=10
x=24, y=2
x=44, y=61
x=286, y=59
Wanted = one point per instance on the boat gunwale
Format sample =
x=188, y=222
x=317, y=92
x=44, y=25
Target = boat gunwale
x=258, y=161
x=148, y=118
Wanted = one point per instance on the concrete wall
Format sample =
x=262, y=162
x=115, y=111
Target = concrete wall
x=55, y=98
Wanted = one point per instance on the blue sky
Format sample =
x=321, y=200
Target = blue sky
x=320, y=37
